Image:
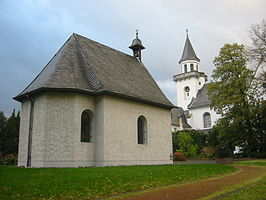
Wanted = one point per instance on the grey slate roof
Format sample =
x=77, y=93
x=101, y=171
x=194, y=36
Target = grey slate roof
x=202, y=98
x=177, y=113
x=188, y=52
x=87, y=66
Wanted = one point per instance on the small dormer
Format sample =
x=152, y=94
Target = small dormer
x=137, y=46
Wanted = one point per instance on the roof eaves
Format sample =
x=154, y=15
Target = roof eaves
x=93, y=93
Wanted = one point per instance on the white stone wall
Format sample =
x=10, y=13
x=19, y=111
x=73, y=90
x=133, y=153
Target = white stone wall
x=196, y=120
x=120, y=141
x=194, y=84
x=56, y=132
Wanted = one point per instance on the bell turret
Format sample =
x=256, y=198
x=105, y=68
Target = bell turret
x=137, y=46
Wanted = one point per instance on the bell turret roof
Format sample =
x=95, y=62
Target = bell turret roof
x=188, y=52
x=136, y=43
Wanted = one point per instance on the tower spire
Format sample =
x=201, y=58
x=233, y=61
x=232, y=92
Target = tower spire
x=137, y=46
x=188, y=52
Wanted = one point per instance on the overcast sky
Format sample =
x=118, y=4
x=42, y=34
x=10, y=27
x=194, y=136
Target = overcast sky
x=33, y=30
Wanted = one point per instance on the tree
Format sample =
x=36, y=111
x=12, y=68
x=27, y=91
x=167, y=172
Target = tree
x=234, y=95
x=189, y=142
x=9, y=133
x=2, y=127
x=257, y=50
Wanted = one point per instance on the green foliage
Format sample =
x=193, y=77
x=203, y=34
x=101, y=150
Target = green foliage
x=235, y=96
x=9, y=134
x=208, y=152
x=189, y=142
x=97, y=182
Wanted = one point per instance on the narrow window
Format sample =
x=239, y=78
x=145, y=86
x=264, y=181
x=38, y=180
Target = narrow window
x=187, y=90
x=207, y=120
x=142, y=130
x=191, y=67
x=86, y=126
x=185, y=68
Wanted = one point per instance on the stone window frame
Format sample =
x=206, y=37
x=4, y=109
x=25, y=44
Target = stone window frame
x=86, y=126
x=142, y=130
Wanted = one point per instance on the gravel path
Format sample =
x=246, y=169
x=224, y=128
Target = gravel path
x=203, y=188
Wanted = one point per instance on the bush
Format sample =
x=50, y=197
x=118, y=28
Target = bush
x=208, y=152
x=178, y=156
x=9, y=159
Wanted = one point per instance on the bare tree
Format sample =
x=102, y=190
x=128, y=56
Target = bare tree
x=257, y=51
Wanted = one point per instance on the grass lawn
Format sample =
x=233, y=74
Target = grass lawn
x=254, y=192
x=252, y=162
x=97, y=182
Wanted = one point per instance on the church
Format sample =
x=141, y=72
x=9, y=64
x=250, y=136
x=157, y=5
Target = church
x=92, y=105
x=194, y=110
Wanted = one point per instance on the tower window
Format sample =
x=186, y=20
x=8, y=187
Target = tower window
x=191, y=67
x=86, y=126
x=207, y=120
x=185, y=68
x=187, y=90
x=142, y=130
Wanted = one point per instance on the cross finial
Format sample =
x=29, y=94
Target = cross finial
x=187, y=32
x=137, y=33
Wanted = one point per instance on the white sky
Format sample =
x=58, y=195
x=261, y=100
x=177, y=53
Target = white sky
x=33, y=30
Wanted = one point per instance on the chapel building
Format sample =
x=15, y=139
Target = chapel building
x=92, y=105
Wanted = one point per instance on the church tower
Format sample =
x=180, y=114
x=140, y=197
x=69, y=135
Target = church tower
x=190, y=80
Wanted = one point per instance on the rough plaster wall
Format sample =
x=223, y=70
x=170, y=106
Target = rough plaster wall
x=56, y=132
x=37, y=151
x=120, y=140
x=62, y=130
x=98, y=137
x=23, y=133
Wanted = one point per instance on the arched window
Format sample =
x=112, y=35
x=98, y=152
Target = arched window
x=191, y=67
x=142, y=130
x=186, y=90
x=207, y=120
x=86, y=126
x=185, y=68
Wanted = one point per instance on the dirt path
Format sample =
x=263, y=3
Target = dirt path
x=202, y=188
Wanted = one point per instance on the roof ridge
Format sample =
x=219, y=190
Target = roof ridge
x=76, y=34
x=93, y=80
